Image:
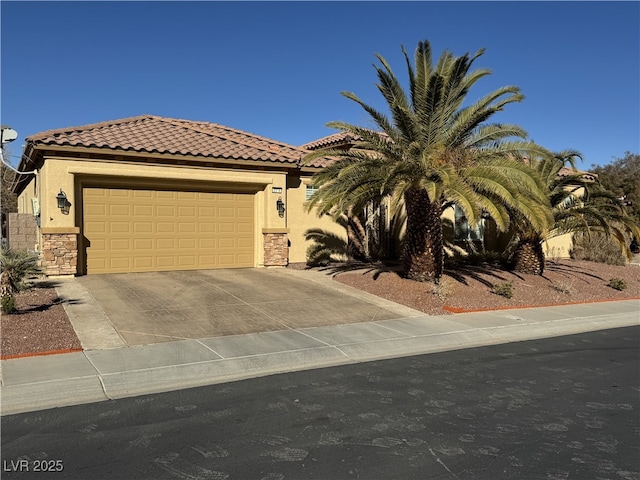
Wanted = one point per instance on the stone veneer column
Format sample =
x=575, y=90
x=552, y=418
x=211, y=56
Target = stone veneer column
x=276, y=247
x=60, y=251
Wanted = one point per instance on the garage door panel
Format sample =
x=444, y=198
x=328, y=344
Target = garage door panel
x=206, y=243
x=244, y=243
x=244, y=258
x=143, y=244
x=99, y=244
x=119, y=227
x=189, y=196
x=143, y=262
x=166, y=243
x=119, y=210
x=143, y=210
x=120, y=263
x=186, y=227
x=143, y=194
x=142, y=227
x=166, y=262
x=120, y=193
x=206, y=212
x=226, y=212
x=123, y=244
x=164, y=227
x=166, y=211
x=146, y=230
x=227, y=260
x=189, y=211
x=95, y=227
x=95, y=209
x=186, y=243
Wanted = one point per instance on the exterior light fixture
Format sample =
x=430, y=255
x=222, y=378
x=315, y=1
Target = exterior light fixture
x=62, y=199
x=280, y=206
x=63, y=203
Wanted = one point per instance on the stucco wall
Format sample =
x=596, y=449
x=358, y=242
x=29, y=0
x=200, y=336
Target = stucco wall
x=558, y=247
x=299, y=220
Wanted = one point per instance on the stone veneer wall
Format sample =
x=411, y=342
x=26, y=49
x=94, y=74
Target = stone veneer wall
x=22, y=231
x=276, y=248
x=60, y=253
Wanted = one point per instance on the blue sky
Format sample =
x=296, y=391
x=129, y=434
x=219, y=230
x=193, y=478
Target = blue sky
x=276, y=69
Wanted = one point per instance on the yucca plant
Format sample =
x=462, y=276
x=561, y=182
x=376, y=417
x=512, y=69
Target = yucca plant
x=17, y=265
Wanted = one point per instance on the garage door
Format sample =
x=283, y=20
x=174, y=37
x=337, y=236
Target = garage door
x=153, y=230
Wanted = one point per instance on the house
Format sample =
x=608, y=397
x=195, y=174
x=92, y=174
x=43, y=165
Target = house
x=149, y=193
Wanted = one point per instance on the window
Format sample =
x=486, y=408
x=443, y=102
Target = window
x=464, y=231
x=310, y=190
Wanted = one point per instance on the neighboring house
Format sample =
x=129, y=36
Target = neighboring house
x=149, y=193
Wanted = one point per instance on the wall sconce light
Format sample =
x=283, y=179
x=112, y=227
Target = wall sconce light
x=63, y=203
x=280, y=206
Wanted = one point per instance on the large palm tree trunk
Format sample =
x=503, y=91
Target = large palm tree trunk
x=355, y=236
x=528, y=257
x=423, y=254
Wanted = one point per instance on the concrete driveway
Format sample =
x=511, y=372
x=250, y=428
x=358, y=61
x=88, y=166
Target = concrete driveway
x=156, y=307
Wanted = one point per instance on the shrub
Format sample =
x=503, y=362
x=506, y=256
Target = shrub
x=617, y=283
x=563, y=287
x=597, y=247
x=8, y=304
x=503, y=289
x=444, y=289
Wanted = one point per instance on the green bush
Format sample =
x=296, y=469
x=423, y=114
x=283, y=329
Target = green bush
x=617, y=283
x=503, y=289
x=597, y=247
x=8, y=304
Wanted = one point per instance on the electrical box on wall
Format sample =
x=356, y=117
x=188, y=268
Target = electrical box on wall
x=35, y=207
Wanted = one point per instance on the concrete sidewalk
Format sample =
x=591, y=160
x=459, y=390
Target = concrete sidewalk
x=36, y=383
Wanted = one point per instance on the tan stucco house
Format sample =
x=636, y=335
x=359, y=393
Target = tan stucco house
x=149, y=193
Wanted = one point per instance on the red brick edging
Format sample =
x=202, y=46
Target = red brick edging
x=39, y=354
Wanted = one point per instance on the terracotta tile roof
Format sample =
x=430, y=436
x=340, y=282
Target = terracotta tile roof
x=153, y=134
x=566, y=171
x=336, y=139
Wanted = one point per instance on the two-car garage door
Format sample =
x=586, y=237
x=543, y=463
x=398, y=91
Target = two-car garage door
x=131, y=230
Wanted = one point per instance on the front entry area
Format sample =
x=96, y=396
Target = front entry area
x=146, y=230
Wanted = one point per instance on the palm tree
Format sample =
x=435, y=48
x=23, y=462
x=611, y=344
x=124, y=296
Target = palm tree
x=431, y=151
x=579, y=204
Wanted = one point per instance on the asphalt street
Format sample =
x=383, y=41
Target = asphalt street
x=553, y=409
